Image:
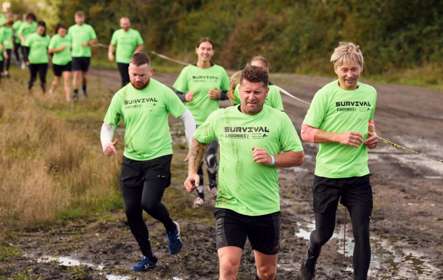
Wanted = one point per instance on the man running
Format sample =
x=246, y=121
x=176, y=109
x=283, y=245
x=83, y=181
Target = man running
x=201, y=86
x=125, y=41
x=28, y=27
x=143, y=106
x=273, y=99
x=83, y=38
x=255, y=140
x=341, y=119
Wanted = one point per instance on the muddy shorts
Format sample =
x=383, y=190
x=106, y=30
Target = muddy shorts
x=233, y=228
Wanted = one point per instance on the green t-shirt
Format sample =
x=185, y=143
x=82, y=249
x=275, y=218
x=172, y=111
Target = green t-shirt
x=126, y=42
x=81, y=34
x=63, y=57
x=27, y=29
x=245, y=186
x=273, y=99
x=38, y=48
x=7, y=33
x=199, y=81
x=145, y=116
x=16, y=27
x=338, y=110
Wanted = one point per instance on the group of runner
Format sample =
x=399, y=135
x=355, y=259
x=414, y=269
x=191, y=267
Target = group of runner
x=256, y=138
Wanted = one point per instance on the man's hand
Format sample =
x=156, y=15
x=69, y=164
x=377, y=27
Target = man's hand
x=372, y=141
x=188, y=96
x=111, y=57
x=110, y=149
x=353, y=139
x=261, y=156
x=214, y=94
x=192, y=182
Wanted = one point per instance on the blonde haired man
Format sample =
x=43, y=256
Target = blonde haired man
x=341, y=120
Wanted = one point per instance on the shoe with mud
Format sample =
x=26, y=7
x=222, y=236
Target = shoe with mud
x=198, y=202
x=307, y=269
x=145, y=264
x=174, y=242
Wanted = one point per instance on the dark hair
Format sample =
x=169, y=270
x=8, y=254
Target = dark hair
x=43, y=24
x=80, y=13
x=254, y=74
x=58, y=26
x=30, y=16
x=140, y=58
x=203, y=40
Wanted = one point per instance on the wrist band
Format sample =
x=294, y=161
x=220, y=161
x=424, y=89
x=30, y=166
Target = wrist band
x=272, y=160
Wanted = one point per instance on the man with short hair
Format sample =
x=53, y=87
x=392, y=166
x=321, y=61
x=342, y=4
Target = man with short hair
x=125, y=42
x=341, y=120
x=255, y=140
x=83, y=38
x=143, y=106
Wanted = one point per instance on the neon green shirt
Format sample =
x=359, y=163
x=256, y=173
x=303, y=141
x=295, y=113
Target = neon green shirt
x=199, y=81
x=63, y=57
x=245, y=186
x=2, y=46
x=338, y=110
x=126, y=42
x=145, y=116
x=16, y=27
x=38, y=48
x=27, y=29
x=7, y=32
x=273, y=99
x=80, y=35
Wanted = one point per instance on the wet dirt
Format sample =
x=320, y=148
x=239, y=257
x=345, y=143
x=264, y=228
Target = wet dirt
x=406, y=227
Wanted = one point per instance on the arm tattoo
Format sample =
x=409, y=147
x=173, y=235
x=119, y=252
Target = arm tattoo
x=196, y=156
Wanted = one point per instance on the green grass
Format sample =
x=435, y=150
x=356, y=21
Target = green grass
x=7, y=252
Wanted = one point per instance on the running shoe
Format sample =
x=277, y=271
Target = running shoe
x=174, y=242
x=145, y=264
x=198, y=202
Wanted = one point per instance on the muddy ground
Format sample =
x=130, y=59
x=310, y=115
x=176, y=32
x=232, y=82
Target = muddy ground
x=407, y=224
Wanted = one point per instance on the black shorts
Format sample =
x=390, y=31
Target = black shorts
x=81, y=64
x=59, y=69
x=351, y=192
x=233, y=228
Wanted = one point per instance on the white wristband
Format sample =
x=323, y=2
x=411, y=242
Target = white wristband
x=272, y=160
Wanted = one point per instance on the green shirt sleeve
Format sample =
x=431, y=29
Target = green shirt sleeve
x=225, y=81
x=92, y=33
x=372, y=116
x=236, y=95
x=173, y=104
x=289, y=139
x=277, y=102
x=205, y=133
x=114, y=114
x=139, y=39
x=317, y=110
x=114, y=38
x=181, y=84
x=52, y=42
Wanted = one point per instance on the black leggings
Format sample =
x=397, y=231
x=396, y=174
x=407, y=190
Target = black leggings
x=8, y=60
x=143, y=184
x=356, y=195
x=210, y=159
x=25, y=53
x=17, y=48
x=41, y=69
x=124, y=74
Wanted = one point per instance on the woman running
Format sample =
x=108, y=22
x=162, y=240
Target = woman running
x=200, y=87
x=38, y=56
x=60, y=47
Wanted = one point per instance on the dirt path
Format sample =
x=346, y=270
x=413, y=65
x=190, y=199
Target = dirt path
x=407, y=227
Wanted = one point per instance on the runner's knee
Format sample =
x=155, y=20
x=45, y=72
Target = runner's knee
x=228, y=268
x=266, y=272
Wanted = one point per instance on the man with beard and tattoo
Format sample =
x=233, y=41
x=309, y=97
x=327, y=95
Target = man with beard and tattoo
x=143, y=106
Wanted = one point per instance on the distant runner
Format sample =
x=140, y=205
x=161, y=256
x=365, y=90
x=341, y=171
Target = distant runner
x=8, y=43
x=38, y=44
x=255, y=140
x=17, y=46
x=201, y=86
x=125, y=41
x=83, y=38
x=60, y=47
x=28, y=27
x=3, y=53
x=143, y=106
x=341, y=119
x=274, y=98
